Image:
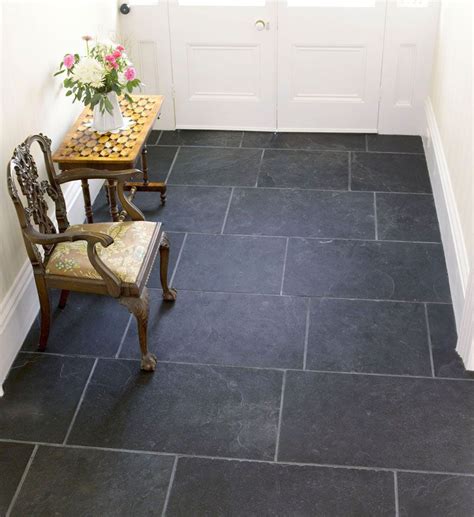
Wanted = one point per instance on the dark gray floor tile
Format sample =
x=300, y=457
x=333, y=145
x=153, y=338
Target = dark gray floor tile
x=232, y=329
x=176, y=241
x=235, y=488
x=41, y=395
x=315, y=141
x=377, y=421
x=435, y=495
x=407, y=217
x=363, y=269
x=13, y=460
x=302, y=213
x=366, y=336
x=395, y=143
x=390, y=172
x=201, y=137
x=159, y=163
x=205, y=410
x=154, y=135
x=92, y=482
x=442, y=325
x=304, y=169
x=88, y=325
x=201, y=166
x=231, y=263
x=187, y=209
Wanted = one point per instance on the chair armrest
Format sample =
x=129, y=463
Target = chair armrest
x=90, y=174
x=110, y=279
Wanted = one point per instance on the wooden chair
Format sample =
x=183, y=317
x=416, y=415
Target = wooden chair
x=110, y=258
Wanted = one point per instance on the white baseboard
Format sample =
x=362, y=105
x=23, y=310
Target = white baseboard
x=20, y=306
x=450, y=225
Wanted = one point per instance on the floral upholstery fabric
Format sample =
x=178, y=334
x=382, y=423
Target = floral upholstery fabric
x=124, y=256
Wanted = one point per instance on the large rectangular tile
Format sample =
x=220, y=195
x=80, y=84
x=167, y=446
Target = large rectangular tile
x=13, y=460
x=389, y=172
x=395, y=143
x=231, y=263
x=364, y=269
x=204, y=410
x=232, y=329
x=200, y=166
x=407, y=217
x=304, y=169
x=301, y=213
x=435, y=495
x=93, y=482
x=314, y=141
x=377, y=421
x=201, y=137
x=237, y=488
x=368, y=336
x=444, y=337
x=187, y=209
x=88, y=325
x=41, y=395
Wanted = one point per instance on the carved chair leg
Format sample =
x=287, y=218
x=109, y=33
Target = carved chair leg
x=45, y=311
x=139, y=307
x=169, y=294
x=63, y=299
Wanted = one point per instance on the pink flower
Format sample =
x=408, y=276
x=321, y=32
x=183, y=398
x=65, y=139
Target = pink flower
x=68, y=61
x=117, y=54
x=120, y=48
x=109, y=58
x=130, y=73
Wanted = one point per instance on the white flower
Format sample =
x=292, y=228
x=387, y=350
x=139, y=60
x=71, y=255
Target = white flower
x=89, y=71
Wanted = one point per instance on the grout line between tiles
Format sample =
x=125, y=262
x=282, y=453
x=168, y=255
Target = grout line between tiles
x=244, y=460
x=159, y=138
x=79, y=404
x=227, y=210
x=375, y=218
x=172, y=165
x=264, y=368
x=280, y=415
x=306, y=334
x=117, y=354
x=241, y=140
x=178, y=259
x=170, y=486
x=395, y=488
x=284, y=266
x=22, y=480
x=366, y=143
x=430, y=345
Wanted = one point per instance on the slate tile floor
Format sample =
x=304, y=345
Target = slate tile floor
x=308, y=366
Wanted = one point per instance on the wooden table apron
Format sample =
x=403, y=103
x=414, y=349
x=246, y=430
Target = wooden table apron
x=84, y=148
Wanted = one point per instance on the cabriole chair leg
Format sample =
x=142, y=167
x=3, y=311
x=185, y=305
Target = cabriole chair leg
x=45, y=312
x=139, y=307
x=169, y=294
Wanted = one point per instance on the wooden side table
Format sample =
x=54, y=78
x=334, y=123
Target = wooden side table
x=84, y=148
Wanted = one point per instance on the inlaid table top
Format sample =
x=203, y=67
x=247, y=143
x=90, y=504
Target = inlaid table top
x=84, y=147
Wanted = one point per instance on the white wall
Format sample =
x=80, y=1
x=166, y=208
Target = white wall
x=35, y=36
x=448, y=145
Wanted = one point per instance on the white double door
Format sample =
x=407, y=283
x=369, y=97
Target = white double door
x=296, y=65
x=287, y=65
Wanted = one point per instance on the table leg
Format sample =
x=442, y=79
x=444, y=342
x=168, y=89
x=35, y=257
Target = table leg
x=112, y=188
x=145, y=164
x=87, y=201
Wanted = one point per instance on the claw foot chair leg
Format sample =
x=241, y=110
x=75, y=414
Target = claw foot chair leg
x=139, y=307
x=169, y=294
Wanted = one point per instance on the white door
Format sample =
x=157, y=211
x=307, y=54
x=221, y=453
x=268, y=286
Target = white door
x=224, y=63
x=329, y=64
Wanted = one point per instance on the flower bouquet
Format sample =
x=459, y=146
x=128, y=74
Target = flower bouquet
x=97, y=78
